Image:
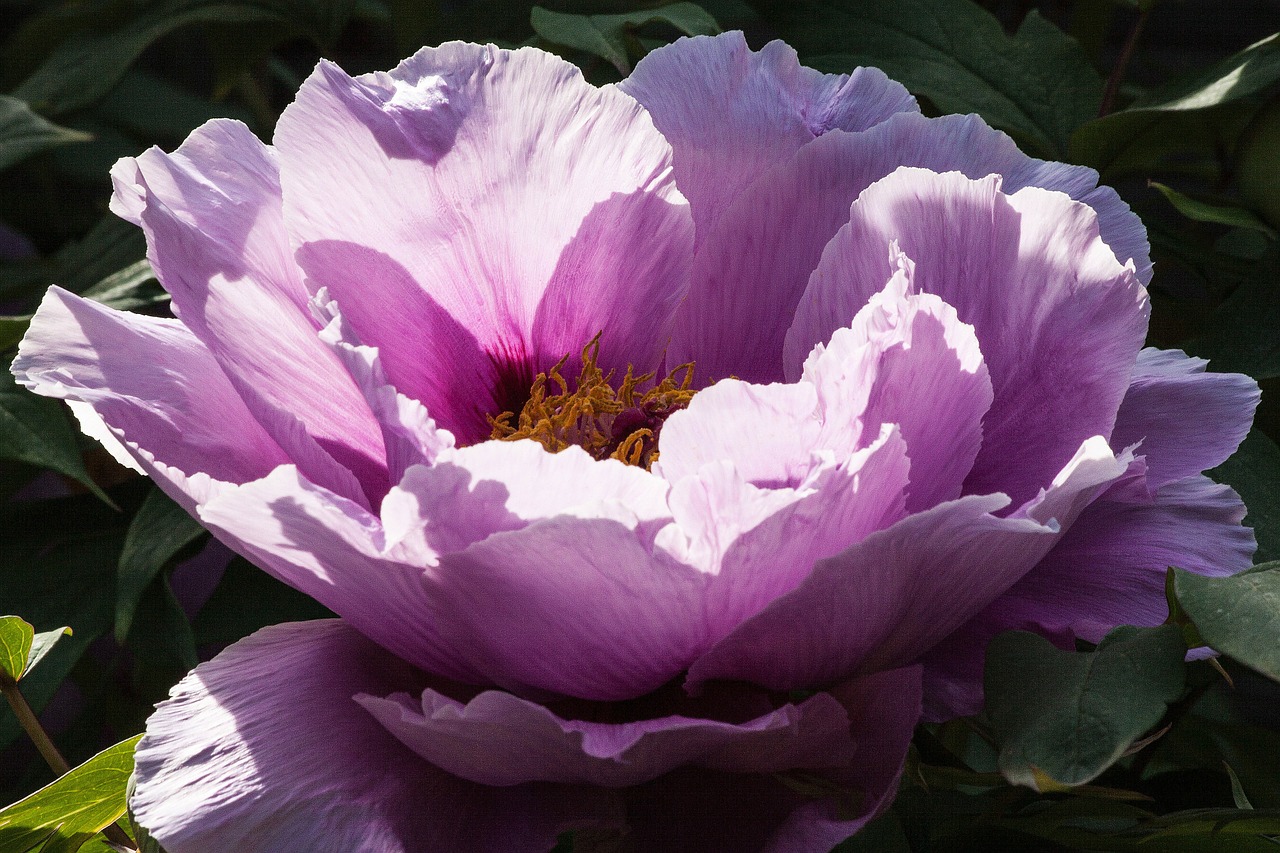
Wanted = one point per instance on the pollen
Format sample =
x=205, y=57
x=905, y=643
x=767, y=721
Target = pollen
x=608, y=422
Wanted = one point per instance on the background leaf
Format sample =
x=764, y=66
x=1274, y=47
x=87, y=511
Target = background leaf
x=23, y=133
x=1237, y=615
x=159, y=531
x=607, y=36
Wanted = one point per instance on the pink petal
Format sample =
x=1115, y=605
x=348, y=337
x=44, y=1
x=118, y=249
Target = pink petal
x=890, y=597
x=1187, y=420
x=499, y=739
x=730, y=113
x=1060, y=320
x=266, y=749
x=506, y=208
x=151, y=381
x=1107, y=570
x=216, y=237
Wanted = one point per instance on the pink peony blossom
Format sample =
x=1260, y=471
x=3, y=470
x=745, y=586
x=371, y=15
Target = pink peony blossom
x=934, y=420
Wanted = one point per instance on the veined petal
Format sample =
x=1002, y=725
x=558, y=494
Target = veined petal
x=215, y=236
x=506, y=208
x=730, y=112
x=499, y=739
x=265, y=750
x=1060, y=320
x=893, y=595
x=1187, y=420
x=150, y=380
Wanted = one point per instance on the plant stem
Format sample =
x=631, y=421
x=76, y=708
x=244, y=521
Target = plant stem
x=1122, y=64
x=31, y=725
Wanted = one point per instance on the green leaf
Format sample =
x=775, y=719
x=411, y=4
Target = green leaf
x=1238, y=795
x=1061, y=718
x=35, y=430
x=1243, y=334
x=1167, y=113
x=23, y=133
x=1038, y=85
x=159, y=531
x=1215, y=214
x=62, y=816
x=16, y=635
x=42, y=644
x=1254, y=472
x=606, y=36
x=1238, y=615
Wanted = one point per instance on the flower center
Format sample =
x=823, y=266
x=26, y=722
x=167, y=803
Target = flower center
x=609, y=423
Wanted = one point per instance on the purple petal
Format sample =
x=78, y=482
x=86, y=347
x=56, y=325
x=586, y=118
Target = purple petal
x=151, y=381
x=1060, y=320
x=730, y=113
x=506, y=208
x=1187, y=420
x=1108, y=570
x=215, y=235
x=266, y=749
x=499, y=739
x=887, y=599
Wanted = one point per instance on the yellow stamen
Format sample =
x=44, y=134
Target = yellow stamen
x=617, y=424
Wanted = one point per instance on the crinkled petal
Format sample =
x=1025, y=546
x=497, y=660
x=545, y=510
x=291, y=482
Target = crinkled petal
x=1108, y=570
x=1187, y=420
x=151, y=381
x=215, y=235
x=1059, y=318
x=499, y=739
x=331, y=549
x=266, y=750
x=889, y=598
x=478, y=213
x=730, y=112
x=753, y=267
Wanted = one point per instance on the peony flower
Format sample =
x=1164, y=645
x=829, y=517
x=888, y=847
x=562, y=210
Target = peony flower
x=661, y=446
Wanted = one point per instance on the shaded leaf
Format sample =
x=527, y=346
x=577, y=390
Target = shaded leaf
x=1216, y=214
x=1238, y=615
x=43, y=643
x=62, y=816
x=1243, y=335
x=158, y=532
x=1038, y=85
x=606, y=35
x=1254, y=472
x=1062, y=718
x=247, y=599
x=23, y=133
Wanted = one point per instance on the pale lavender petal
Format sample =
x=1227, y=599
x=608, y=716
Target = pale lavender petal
x=1108, y=570
x=1187, y=420
x=151, y=381
x=499, y=739
x=331, y=549
x=216, y=238
x=730, y=113
x=889, y=598
x=573, y=605
x=1060, y=320
x=506, y=208
x=266, y=750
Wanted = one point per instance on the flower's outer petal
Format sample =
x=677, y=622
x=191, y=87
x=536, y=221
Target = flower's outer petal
x=754, y=266
x=499, y=739
x=730, y=113
x=1059, y=319
x=577, y=606
x=150, y=380
x=890, y=597
x=330, y=548
x=216, y=238
x=1108, y=570
x=265, y=750
x=479, y=210
x=1187, y=420
x=762, y=814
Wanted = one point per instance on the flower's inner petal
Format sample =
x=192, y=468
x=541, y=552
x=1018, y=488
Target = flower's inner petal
x=216, y=238
x=265, y=750
x=478, y=213
x=499, y=739
x=731, y=113
x=1060, y=320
